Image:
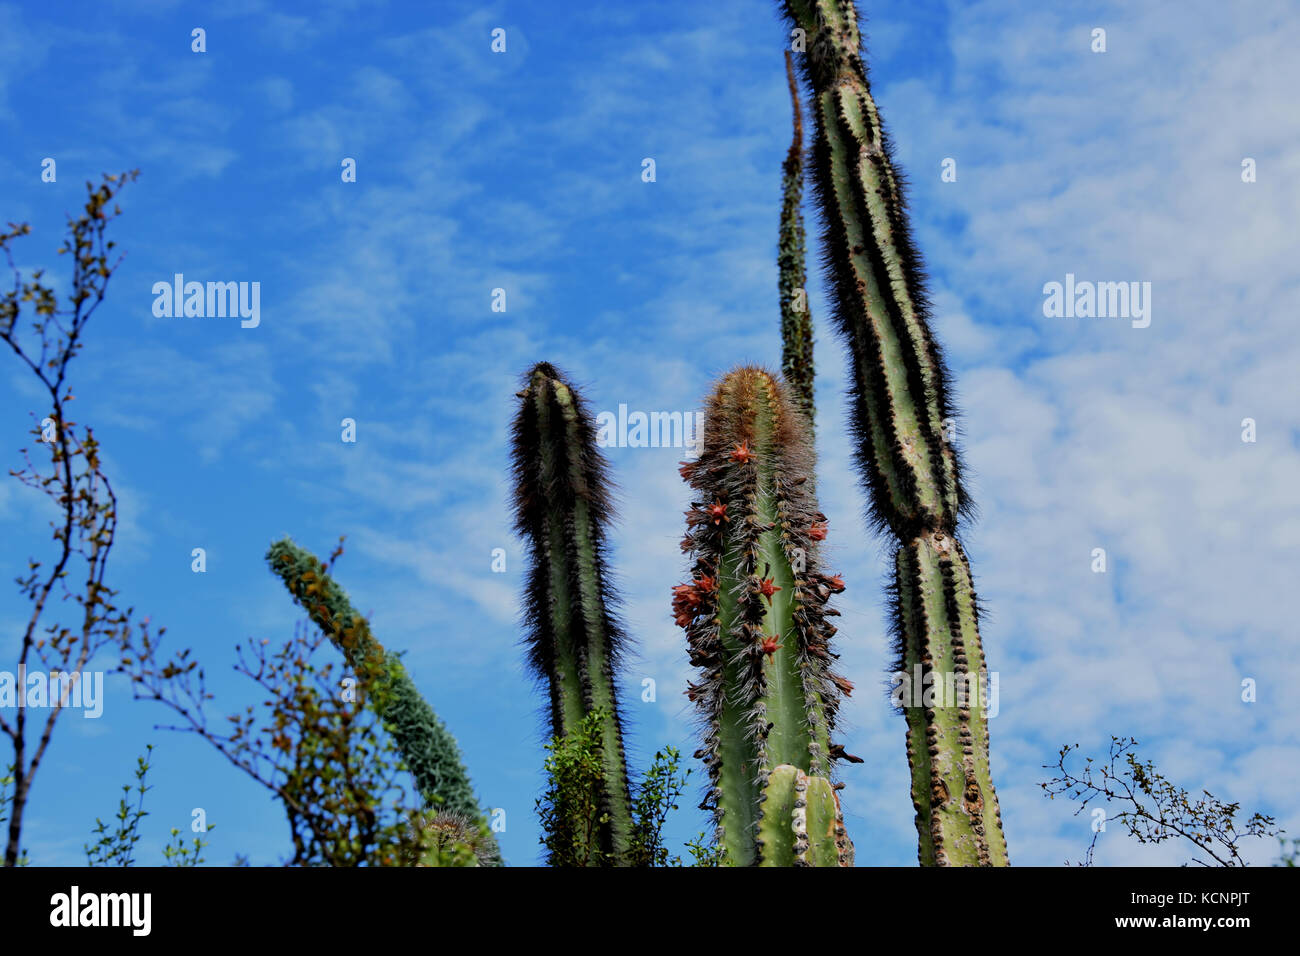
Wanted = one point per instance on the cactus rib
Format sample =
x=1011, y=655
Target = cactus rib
x=937, y=633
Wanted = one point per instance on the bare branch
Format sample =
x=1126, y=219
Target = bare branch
x=1154, y=809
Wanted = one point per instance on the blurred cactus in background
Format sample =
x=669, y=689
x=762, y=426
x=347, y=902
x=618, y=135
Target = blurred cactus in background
x=428, y=749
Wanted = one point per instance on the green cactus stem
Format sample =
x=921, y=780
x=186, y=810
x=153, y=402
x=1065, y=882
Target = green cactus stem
x=903, y=421
x=796, y=316
x=802, y=823
x=901, y=405
x=755, y=612
x=936, y=622
x=428, y=749
x=562, y=506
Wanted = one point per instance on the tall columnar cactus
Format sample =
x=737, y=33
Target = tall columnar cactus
x=757, y=626
x=796, y=316
x=902, y=418
x=429, y=750
x=562, y=505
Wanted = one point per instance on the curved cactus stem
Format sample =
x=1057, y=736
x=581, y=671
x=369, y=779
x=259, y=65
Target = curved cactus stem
x=561, y=508
x=901, y=401
x=902, y=417
x=429, y=750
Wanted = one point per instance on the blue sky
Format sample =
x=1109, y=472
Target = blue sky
x=522, y=171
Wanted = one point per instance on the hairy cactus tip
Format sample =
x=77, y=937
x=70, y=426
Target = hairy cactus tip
x=574, y=641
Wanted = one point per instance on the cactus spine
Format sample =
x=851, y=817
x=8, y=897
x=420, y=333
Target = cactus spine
x=796, y=317
x=902, y=414
x=562, y=504
x=757, y=626
x=429, y=750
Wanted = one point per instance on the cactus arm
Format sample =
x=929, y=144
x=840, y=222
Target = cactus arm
x=796, y=315
x=963, y=606
x=802, y=824
x=754, y=613
x=909, y=619
x=562, y=507
x=429, y=750
x=901, y=408
x=818, y=824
